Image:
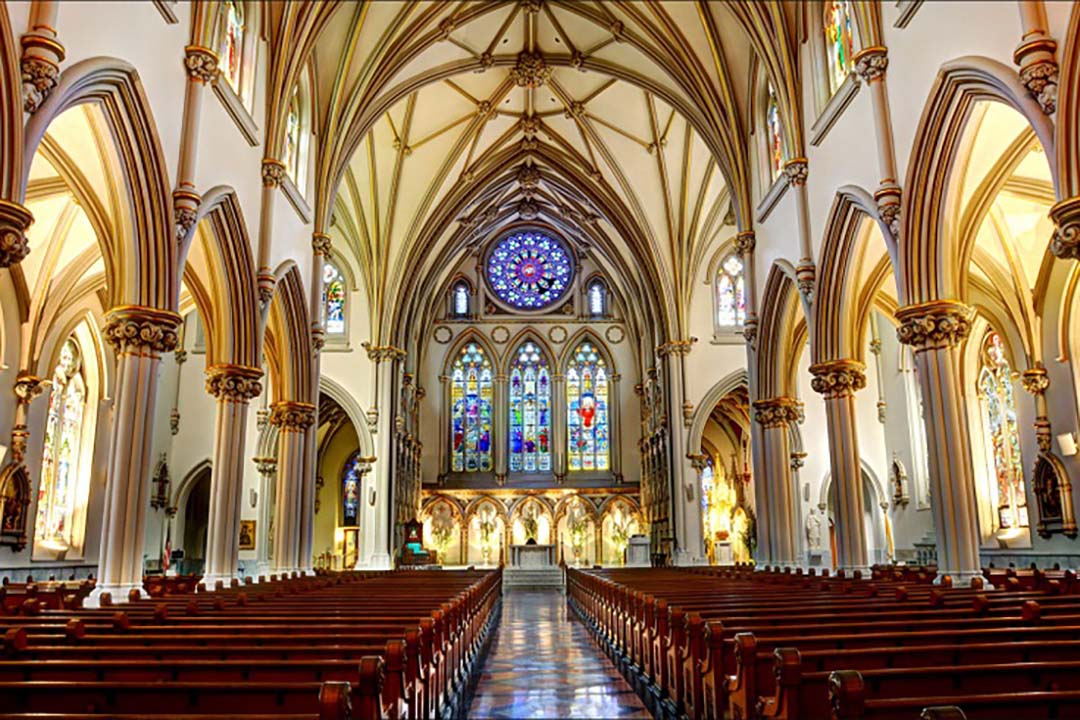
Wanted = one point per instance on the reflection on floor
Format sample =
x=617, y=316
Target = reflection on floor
x=544, y=664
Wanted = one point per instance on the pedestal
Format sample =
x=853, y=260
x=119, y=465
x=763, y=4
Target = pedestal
x=637, y=552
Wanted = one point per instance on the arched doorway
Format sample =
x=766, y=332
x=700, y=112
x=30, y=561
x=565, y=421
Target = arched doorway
x=879, y=545
x=196, y=515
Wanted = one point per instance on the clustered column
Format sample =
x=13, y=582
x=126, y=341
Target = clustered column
x=837, y=381
x=775, y=416
x=234, y=386
x=292, y=420
x=139, y=335
x=934, y=330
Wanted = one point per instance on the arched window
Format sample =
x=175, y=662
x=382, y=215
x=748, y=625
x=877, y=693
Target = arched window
x=530, y=411
x=730, y=293
x=350, y=491
x=775, y=147
x=588, y=446
x=470, y=411
x=597, y=297
x=333, y=299
x=839, y=41
x=459, y=300
x=232, y=43
x=60, y=466
x=1002, y=434
x=292, y=137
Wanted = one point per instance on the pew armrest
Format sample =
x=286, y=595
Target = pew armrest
x=335, y=701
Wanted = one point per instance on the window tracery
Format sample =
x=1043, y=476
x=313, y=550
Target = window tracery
x=529, y=270
x=530, y=411
x=471, y=391
x=350, y=491
x=588, y=447
x=597, y=299
x=730, y=287
x=333, y=299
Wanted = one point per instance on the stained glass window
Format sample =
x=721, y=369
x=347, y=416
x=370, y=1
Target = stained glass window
x=775, y=140
x=60, y=462
x=730, y=292
x=999, y=419
x=529, y=270
x=470, y=417
x=597, y=299
x=530, y=411
x=839, y=41
x=588, y=445
x=350, y=491
x=232, y=41
x=460, y=300
x=333, y=299
x=292, y=136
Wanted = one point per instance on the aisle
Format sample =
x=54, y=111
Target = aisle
x=544, y=664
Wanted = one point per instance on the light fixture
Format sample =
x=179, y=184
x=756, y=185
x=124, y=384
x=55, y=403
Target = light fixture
x=1067, y=443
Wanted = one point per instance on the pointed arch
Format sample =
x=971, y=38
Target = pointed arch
x=529, y=334
x=733, y=381
x=931, y=260
x=470, y=335
x=571, y=345
x=145, y=248
x=352, y=409
x=781, y=332
x=288, y=338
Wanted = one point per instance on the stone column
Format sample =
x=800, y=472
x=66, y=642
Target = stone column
x=234, y=386
x=614, y=428
x=267, y=468
x=934, y=330
x=378, y=515
x=293, y=420
x=273, y=172
x=501, y=430
x=41, y=55
x=745, y=242
x=687, y=503
x=1034, y=55
x=870, y=65
x=139, y=335
x=201, y=65
x=837, y=381
x=559, y=430
x=775, y=416
x=796, y=171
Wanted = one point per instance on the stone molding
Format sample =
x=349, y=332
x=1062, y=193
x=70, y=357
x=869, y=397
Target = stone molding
x=291, y=416
x=871, y=63
x=14, y=220
x=838, y=378
x=132, y=329
x=201, y=63
x=1066, y=241
x=934, y=325
x=776, y=412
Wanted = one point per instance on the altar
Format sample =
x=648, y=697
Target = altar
x=532, y=556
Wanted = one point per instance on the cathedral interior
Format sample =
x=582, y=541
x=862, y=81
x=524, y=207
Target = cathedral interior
x=328, y=289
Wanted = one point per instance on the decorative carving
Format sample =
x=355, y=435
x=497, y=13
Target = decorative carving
x=28, y=387
x=201, y=63
x=174, y=421
x=273, y=172
x=796, y=171
x=749, y=331
x=838, y=378
x=446, y=26
x=887, y=198
x=776, y=412
x=1039, y=69
x=933, y=325
x=898, y=478
x=318, y=337
x=813, y=531
x=443, y=335
x=1066, y=241
x=676, y=347
x=531, y=7
x=614, y=335
x=39, y=77
x=378, y=353
x=292, y=416
x=798, y=460
x=530, y=70
x=871, y=63
x=266, y=466
x=14, y=220
x=134, y=329
x=1035, y=380
x=321, y=244
x=745, y=242
x=234, y=383
x=528, y=209
x=528, y=177
x=806, y=279
x=530, y=125
x=185, y=219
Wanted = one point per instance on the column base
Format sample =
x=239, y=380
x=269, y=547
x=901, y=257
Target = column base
x=119, y=594
x=211, y=580
x=378, y=561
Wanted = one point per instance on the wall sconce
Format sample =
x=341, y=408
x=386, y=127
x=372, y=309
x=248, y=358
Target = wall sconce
x=253, y=496
x=1067, y=443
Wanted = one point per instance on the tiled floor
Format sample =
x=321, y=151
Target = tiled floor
x=544, y=664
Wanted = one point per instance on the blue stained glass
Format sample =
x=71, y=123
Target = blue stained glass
x=530, y=270
x=587, y=405
x=470, y=417
x=530, y=411
x=350, y=491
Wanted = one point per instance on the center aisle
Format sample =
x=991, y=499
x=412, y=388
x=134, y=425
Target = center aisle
x=544, y=664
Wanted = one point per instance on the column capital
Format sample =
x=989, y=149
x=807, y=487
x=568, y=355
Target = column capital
x=134, y=329
x=1035, y=380
x=201, y=63
x=321, y=244
x=838, y=378
x=935, y=324
x=745, y=242
x=676, y=347
x=292, y=416
x=776, y=412
x=14, y=220
x=1039, y=69
x=27, y=387
x=1066, y=241
x=870, y=63
x=273, y=172
x=378, y=353
x=698, y=461
x=39, y=67
x=796, y=170
x=233, y=383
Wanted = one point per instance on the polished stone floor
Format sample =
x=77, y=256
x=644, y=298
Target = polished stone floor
x=544, y=664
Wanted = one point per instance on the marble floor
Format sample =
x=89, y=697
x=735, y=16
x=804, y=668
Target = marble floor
x=544, y=664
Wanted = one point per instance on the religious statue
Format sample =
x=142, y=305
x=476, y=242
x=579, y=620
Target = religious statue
x=813, y=531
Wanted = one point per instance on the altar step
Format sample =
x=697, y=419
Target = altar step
x=532, y=578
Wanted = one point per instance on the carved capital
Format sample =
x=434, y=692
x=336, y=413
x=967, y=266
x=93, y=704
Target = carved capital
x=1035, y=380
x=1041, y=80
x=871, y=63
x=266, y=282
x=745, y=242
x=749, y=330
x=265, y=465
x=676, y=347
x=887, y=198
x=14, y=220
x=318, y=337
x=174, y=421
x=1066, y=241
x=131, y=329
x=234, y=383
x=273, y=172
x=530, y=70
x=185, y=212
x=796, y=171
x=776, y=412
x=379, y=353
x=39, y=77
x=838, y=378
x=698, y=461
x=933, y=325
x=292, y=416
x=201, y=63
x=321, y=244
x=806, y=279
x=27, y=387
